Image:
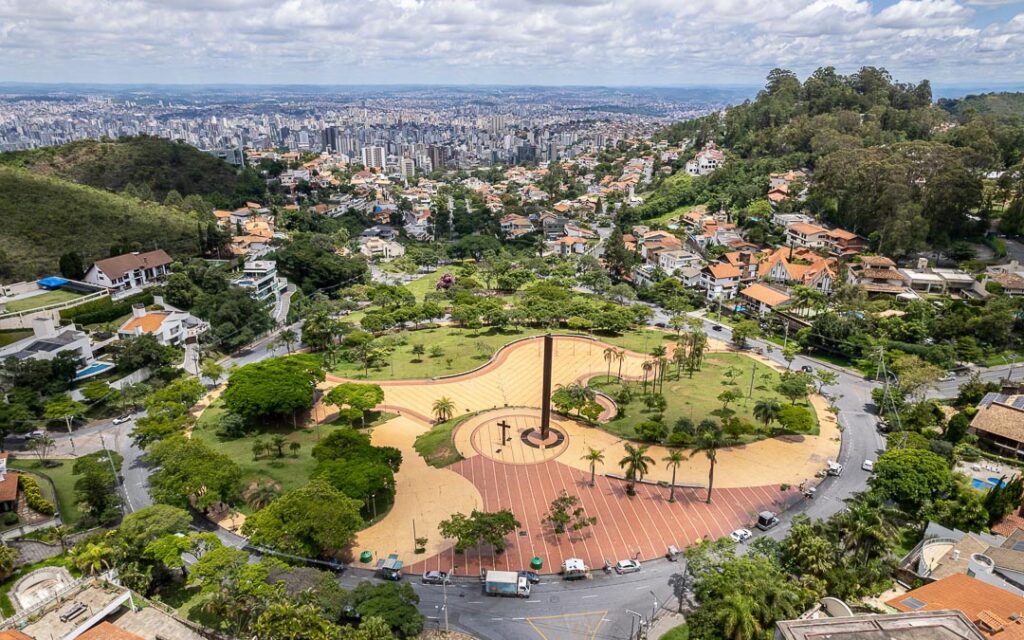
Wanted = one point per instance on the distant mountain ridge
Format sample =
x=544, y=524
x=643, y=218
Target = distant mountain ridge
x=144, y=162
x=1003, y=105
x=42, y=217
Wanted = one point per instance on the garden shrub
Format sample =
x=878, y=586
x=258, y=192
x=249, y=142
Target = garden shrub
x=34, y=495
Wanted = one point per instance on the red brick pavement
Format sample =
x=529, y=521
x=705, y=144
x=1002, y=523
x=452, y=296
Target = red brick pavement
x=642, y=526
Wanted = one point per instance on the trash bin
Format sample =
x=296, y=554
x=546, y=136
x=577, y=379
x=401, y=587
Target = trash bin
x=366, y=556
x=536, y=563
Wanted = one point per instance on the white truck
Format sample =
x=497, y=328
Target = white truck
x=506, y=583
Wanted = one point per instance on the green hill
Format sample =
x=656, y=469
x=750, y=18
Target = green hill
x=43, y=217
x=157, y=164
x=1003, y=106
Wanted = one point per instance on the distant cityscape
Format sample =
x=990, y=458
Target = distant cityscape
x=433, y=127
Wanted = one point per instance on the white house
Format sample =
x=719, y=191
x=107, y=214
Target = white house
x=47, y=340
x=720, y=281
x=260, y=278
x=706, y=161
x=671, y=260
x=129, y=271
x=169, y=327
x=379, y=248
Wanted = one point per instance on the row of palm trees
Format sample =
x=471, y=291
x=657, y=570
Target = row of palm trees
x=636, y=464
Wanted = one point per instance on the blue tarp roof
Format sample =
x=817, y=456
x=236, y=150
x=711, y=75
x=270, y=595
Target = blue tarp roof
x=52, y=282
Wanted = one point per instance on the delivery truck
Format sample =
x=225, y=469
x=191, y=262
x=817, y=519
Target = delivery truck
x=506, y=583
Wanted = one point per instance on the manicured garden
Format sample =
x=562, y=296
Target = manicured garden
x=449, y=350
x=698, y=397
x=288, y=468
x=437, y=446
x=63, y=480
x=41, y=300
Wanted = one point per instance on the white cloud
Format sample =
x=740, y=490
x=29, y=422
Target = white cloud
x=546, y=41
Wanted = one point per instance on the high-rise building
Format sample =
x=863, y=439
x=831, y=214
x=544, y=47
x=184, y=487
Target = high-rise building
x=329, y=139
x=408, y=167
x=438, y=156
x=373, y=157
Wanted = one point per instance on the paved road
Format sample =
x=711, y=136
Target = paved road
x=950, y=388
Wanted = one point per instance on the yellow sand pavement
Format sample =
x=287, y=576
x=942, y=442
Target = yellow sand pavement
x=423, y=495
x=774, y=461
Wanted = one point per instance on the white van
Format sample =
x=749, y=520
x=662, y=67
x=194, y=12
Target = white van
x=869, y=466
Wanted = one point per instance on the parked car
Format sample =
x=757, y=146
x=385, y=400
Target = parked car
x=627, y=566
x=949, y=377
x=531, y=576
x=436, y=577
x=868, y=465
x=122, y=419
x=38, y=433
x=834, y=469
x=716, y=327
x=766, y=520
x=807, y=368
x=741, y=535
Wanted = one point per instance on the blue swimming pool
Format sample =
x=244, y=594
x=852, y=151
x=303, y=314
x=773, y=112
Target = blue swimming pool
x=94, y=369
x=981, y=485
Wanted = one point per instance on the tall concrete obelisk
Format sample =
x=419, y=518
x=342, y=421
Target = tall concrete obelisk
x=545, y=401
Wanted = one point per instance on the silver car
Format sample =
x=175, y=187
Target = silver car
x=741, y=535
x=627, y=566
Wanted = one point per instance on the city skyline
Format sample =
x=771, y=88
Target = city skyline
x=496, y=42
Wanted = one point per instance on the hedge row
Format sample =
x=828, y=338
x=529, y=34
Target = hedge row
x=104, y=309
x=34, y=495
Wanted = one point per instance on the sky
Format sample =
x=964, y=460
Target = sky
x=552, y=42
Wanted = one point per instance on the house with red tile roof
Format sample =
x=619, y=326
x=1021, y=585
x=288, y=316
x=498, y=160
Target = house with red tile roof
x=995, y=612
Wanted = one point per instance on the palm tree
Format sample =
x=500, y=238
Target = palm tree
x=620, y=355
x=646, y=366
x=263, y=495
x=865, y=529
x=709, y=440
x=444, y=409
x=674, y=458
x=609, y=355
x=581, y=394
x=767, y=410
x=61, y=534
x=636, y=464
x=594, y=458
x=662, y=366
x=93, y=557
x=288, y=338
x=737, y=617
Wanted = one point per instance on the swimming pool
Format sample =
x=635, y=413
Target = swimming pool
x=93, y=369
x=982, y=485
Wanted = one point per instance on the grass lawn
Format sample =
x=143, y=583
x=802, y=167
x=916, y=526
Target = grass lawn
x=466, y=349
x=461, y=350
x=437, y=445
x=424, y=285
x=697, y=397
x=62, y=479
x=666, y=217
x=289, y=471
x=41, y=300
x=12, y=336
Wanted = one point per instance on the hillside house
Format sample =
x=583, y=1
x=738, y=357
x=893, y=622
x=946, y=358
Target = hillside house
x=129, y=271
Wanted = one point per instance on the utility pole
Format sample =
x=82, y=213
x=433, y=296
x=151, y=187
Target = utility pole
x=444, y=587
x=753, y=371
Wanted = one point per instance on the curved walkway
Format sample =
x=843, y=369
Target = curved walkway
x=748, y=478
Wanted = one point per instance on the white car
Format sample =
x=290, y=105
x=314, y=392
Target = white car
x=122, y=419
x=868, y=465
x=949, y=377
x=627, y=566
x=741, y=535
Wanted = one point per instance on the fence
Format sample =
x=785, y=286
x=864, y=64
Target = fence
x=23, y=319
